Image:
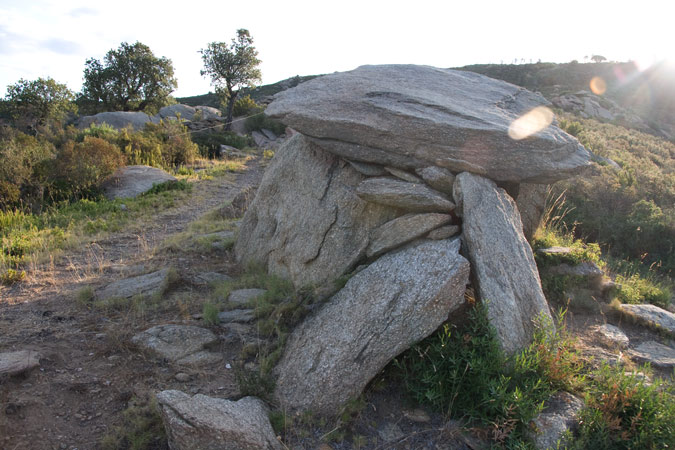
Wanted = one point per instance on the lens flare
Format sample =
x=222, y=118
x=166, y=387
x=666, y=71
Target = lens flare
x=530, y=123
x=598, y=86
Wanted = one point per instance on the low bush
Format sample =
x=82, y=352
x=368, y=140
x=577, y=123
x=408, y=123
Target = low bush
x=209, y=142
x=246, y=106
x=462, y=372
x=260, y=121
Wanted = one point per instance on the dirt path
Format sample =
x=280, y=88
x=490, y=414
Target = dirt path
x=87, y=374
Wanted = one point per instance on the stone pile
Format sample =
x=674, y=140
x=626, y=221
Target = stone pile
x=390, y=164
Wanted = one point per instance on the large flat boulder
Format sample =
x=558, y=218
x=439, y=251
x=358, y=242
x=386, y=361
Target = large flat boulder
x=652, y=315
x=307, y=223
x=385, y=308
x=410, y=116
x=202, y=422
x=501, y=260
x=132, y=181
x=118, y=119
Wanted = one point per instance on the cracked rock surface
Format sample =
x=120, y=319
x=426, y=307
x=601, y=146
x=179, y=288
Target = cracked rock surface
x=395, y=302
x=307, y=223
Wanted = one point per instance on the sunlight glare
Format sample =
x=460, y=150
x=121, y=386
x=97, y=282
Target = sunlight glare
x=530, y=123
x=598, y=85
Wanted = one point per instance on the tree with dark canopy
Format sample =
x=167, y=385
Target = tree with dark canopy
x=231, y=67
x=130, y=78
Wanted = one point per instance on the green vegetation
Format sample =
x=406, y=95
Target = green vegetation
x=231, y=67
x=209, y=142
x=130, y=78
x=462, y=372
x=631, y=210
x=34, y=104
x=141, y=428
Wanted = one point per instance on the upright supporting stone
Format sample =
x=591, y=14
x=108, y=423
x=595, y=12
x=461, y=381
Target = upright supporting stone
x=501, y=260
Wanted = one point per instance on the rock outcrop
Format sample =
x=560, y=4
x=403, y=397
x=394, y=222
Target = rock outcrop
x=385, y=308
x=307, y=223
x=147, y=285
x=15, y=363
x=408, y=116
x=531, y=201
x=132, y=181
x=501, y=259
x=560, y=415
x=202, y=422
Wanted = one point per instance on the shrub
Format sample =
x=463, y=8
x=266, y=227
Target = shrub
x=166, y=145
x=22, y=178
x=80, y=167
x=624, y=412
x=260, y=121
x=462, y=371
x=245, y=106
x=101, y=131
x=209, y=142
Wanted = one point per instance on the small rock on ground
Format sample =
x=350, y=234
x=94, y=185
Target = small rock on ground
x=202, y=422
x=15, y=363
x=182, y=344
x=147, y=285
x=652, y=314
x=559, y=416
x=611, y=335
x=236, y=315
x=656, y=354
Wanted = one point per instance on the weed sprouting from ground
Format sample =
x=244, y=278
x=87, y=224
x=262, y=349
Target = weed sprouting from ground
x=141, y=428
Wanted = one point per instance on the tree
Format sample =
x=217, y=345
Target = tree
x=598, y=58
x=130, y=78
x=231, y=67
x=31, y=104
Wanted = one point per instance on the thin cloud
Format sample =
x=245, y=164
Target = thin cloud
x=11, y=43
x=62, y=46
x=83, y=11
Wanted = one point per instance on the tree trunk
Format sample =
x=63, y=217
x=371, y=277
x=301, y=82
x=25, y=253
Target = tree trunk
x=230, y=107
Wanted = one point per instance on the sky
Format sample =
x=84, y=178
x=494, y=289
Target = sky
x=45, y=38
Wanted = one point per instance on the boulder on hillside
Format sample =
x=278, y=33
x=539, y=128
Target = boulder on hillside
x=132, y=181
x=189, y=113
x=502, y=263
x=409, y=116
x=307, y=223
x=182, y=344
x=147, y=285
x=559, y=416
x=118, y=119
x=202, y=422
x=385, y=308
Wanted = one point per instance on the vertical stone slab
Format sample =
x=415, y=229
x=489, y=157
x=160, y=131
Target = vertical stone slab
x=502, y=263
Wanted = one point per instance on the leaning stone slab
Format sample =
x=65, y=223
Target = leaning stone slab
x=401, y=194
x=656, y=354
x=402, y=174
x=403, y=230
x=559, y=416
x=653, y=315
x=202, y=422
x=501, y=260
x=182, y=344
x=16, y=363
x=147, y=285
x=237, y=315
x=132, y=181
x=384, y=309
x=306, y=223
x=411, y=116
x=369, y=170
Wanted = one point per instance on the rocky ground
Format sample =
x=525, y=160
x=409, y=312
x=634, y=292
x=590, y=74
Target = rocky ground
x=90, y=368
